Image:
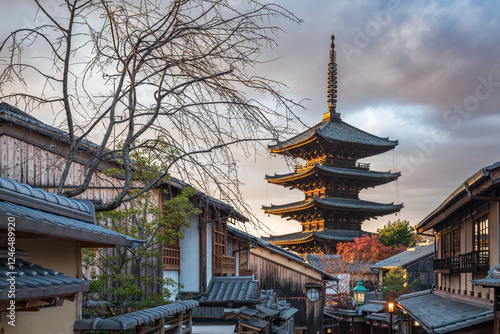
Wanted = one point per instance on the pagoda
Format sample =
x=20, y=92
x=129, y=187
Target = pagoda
x=331, y=179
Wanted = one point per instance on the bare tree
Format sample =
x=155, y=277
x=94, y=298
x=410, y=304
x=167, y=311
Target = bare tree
x=172, y=78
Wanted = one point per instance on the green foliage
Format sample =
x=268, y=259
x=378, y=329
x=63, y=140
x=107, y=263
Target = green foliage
x=395, y=284
x=115, y=274
x=396, y=234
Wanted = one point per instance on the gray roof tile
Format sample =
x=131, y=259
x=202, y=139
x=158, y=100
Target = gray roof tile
x=492, y=280
x=349, y=172
x=442, y=313
x=241, y=289
x=47, y=213
x=130, y=320
x=35, y=281
x=407, y=257
x=338, y=203
x=338, y=131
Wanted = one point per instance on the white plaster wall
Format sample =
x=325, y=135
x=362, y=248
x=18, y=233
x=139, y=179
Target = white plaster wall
x=189, y=275
x=174, y=275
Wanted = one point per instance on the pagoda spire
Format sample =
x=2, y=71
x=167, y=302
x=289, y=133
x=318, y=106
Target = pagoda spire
x=332, y=85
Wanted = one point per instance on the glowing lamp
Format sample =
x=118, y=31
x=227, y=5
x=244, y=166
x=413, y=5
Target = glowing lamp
x=359, y=292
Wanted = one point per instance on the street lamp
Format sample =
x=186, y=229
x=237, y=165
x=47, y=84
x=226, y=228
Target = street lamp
x=391, y=310
x=359, y=292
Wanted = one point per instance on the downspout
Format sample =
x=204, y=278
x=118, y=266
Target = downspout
x=479, y=198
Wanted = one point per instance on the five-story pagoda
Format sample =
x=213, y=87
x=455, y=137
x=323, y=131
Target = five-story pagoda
x=331, y=180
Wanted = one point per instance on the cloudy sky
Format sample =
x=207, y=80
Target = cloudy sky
x=424, y=72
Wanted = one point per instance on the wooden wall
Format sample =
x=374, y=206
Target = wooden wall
x=39, y=166
x=290, y=284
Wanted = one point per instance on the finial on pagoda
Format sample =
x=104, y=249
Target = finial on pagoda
x=332, y=85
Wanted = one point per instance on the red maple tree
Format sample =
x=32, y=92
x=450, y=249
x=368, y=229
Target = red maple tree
x=368, y=248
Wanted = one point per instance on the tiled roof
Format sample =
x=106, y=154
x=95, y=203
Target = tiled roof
x=340, y=131
x=333, y=263
x=35, y=281
x=340, y=235
x=492, y=280
x=407, y=257
x=373, y=307
x=242, y=289
x=349, y=172
x=441, y=313
x=131, y=320
x=41, y=212
x=336, y=203
x=17, y=116
x=478, y=177
x=277, y=249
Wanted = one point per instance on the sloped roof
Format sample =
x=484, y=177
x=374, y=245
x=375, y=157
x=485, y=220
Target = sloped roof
x=131, y=320
x=336, y=130
x=460, y=196
x=45, y=213
x=441, y=313
x=242, y=289
x=333, y=263
x=339, y=235
x=19, y=117
x=276, y=249
x=35, y=281
x=341, y=171
x=409, y=256
x=492, y=280
x=349, y=204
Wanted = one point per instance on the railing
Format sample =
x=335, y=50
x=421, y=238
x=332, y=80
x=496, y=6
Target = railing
x=224, y=265
x=171, y=259
x=469, y=262
x=333, y=163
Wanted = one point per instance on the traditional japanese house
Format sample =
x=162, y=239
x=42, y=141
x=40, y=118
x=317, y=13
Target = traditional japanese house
x=416, y=261
x=331, y=179
x=291, y=278
x=466, y=227
x=42, y=236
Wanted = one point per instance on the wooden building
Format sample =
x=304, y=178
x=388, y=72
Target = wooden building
x=466, y=227
x=416, y=261
x=331, y=179
x=42, y=236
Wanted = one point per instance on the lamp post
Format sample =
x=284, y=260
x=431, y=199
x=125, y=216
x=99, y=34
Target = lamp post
x=391, y=310
x=359, y=292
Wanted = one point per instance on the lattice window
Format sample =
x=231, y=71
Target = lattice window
x=481, y=242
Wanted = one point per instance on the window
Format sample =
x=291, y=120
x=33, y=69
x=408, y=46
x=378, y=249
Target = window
x=450, y=244
x=481, y=242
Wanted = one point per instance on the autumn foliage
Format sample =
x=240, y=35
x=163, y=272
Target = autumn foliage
x=368, y=248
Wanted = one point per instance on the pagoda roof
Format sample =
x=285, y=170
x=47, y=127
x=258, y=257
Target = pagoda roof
x=327, y=234
x=340, y=171
x=347, y=204
x=334, y=130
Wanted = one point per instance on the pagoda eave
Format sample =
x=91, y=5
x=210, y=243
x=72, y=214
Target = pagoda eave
x=333, y=204
x=364, y=178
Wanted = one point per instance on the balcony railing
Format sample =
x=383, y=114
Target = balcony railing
x=469, y=262
x=224, y=265
x=333, y=163
x=171, y=259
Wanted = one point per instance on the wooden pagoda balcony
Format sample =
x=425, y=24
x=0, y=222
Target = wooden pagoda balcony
x=171, y=258
x=333, y=163
x=224, y=265
x=464, y=263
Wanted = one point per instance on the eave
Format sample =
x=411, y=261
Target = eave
x=478, y=184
